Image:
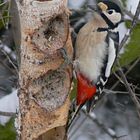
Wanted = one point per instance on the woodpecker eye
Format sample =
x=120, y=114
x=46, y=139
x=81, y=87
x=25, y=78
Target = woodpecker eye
x=110, y=12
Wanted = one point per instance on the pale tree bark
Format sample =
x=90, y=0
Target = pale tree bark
x=42, y=30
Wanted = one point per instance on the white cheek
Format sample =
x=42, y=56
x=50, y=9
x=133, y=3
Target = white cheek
x=115, y=17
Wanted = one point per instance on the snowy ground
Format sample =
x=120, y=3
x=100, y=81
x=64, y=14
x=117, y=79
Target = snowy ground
x=8, y=103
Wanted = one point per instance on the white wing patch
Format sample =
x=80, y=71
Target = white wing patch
x=111, y=57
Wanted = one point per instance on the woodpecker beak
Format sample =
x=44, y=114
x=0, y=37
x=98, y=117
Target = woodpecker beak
x=99, y=7
x=102, y=6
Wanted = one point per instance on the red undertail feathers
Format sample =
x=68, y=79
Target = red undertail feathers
x=85, y=90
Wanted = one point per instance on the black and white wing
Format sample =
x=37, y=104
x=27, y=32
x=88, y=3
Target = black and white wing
x=113, y=45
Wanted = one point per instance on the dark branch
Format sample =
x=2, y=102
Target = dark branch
x=132, y=94
x=11, y=114
x=129, y=70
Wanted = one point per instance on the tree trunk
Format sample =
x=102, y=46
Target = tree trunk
x=43, y=30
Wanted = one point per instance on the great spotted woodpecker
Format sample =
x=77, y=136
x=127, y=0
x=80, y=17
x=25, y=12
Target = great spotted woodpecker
x=96, y=50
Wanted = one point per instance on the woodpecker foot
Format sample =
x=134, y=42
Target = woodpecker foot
x=73, y=37
x=67, y=60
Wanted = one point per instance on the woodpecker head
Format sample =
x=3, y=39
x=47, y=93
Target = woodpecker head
x=111, y=12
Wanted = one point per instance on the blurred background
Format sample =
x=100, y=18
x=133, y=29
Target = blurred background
x=115, y=116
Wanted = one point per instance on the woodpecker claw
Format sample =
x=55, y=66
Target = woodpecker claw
x=67, y=60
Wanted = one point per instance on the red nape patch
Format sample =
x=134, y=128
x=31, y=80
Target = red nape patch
x=85, y=90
